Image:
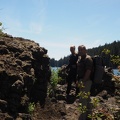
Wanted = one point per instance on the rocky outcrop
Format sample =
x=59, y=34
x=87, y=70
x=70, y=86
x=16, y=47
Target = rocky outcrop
x=24, y=73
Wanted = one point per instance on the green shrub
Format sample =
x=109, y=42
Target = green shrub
x=31, y=107
x=1, y=29
x=53, y=83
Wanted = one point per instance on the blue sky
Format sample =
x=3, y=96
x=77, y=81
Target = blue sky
x=58, y=24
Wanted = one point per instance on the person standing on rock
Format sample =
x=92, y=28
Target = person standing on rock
x=84, y=68
x=72, y=66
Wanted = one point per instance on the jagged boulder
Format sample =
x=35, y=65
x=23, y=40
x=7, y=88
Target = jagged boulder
x=24, y=73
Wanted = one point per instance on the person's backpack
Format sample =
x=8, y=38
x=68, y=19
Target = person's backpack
x=98, y=69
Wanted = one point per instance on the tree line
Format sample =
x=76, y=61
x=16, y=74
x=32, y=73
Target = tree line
x=109, y=52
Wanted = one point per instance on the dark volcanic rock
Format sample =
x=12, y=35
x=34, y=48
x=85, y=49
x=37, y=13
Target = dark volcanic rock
x=24, y=72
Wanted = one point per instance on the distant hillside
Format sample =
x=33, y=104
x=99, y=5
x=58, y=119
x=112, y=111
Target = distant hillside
x=114, y=48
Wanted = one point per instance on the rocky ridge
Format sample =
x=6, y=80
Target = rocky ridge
x=24, y=74
x=24, y=78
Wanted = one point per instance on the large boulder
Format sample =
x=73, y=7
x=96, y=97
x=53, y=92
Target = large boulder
x=24, y=73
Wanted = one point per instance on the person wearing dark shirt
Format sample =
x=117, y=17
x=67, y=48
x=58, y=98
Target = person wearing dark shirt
x=84, y=68
x=72, y=66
